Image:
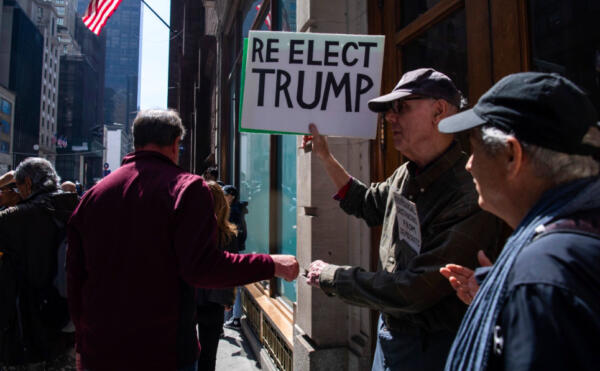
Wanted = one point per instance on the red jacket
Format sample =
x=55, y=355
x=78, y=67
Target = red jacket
x=133, y=239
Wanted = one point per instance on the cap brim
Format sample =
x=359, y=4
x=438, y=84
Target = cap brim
x=381, y=104
x=460, y=122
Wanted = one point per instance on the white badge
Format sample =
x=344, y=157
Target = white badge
x=409, y=228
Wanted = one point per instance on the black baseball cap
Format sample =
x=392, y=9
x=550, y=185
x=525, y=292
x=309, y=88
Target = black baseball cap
x=543, y=109
x=425, y=82
x=230, y=190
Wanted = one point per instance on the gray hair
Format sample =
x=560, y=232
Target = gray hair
x=40, y=171
x=157, y=126
x=555, y=166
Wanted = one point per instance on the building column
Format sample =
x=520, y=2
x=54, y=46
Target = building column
x=329, y=334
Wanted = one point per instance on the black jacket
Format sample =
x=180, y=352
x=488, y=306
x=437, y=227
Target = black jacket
x=551, y=317
x=31, y=311
x=237, y=217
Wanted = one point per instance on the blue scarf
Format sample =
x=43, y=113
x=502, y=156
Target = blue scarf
x=472, y=345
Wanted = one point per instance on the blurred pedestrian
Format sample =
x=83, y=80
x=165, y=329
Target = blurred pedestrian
x=32, y=312
x=140, y=241
x=237, y=216
x=211, y=174
x=69, y=187
x=212, y=302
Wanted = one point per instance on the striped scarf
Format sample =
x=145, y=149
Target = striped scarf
x=472, y=345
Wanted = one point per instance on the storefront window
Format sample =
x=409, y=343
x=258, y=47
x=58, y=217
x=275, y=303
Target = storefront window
x=565, y=38
x=412, y=9
x=255, y=161
x=443, y=47
x=287, y=15
x=287, y=182
x=254, y=188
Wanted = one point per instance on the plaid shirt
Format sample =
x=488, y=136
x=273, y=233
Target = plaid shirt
x=408, y=288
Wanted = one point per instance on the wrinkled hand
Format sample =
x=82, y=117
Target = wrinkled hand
x=314, y=272
x=319, y=142
x=286, y=267
x=462, y=279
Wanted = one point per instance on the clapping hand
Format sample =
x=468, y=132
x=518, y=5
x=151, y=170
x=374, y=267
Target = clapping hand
x=462, y=279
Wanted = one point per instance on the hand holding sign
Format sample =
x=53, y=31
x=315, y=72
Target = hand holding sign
x=320, y=147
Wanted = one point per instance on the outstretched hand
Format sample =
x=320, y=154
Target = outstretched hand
x=313, y=274
x=286, y=267
x=462, y=279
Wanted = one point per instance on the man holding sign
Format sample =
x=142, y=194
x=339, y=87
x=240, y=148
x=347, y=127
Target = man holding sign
x=430, y=217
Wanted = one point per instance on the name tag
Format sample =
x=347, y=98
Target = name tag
x=407, y=217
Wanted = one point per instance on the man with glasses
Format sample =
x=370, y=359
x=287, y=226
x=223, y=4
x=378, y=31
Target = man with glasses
x=430, y=217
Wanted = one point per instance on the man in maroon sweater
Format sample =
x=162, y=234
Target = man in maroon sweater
x=138, y=242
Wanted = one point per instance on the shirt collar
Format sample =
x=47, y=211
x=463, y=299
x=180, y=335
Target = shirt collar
x=137, y=155
x=424, y=177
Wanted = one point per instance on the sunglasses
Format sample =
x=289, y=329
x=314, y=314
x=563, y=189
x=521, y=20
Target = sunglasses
x=397, y=105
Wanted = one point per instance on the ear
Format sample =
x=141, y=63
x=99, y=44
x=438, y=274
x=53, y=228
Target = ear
x=440, y=111
x=514, y=157
x=175, y=145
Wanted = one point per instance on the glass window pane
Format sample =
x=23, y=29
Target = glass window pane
x=287, y=184
x=287, y=15
x=254, y=188
x=565, y=38
x=6, y=107
x=443, y=47
x=412, y=9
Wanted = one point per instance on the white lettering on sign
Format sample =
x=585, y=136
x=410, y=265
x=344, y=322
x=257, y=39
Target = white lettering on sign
x=409, y=228
x=292, y=79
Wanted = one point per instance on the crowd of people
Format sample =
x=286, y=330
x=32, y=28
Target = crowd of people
x=151, y=257
x=140, y=271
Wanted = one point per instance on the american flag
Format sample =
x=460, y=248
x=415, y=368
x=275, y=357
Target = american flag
x=267, y=18
x=98, y=12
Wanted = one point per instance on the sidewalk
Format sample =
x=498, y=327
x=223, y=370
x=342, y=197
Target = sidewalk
x=234, y=353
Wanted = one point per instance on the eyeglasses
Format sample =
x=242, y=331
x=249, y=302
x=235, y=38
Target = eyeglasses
x=398, y=105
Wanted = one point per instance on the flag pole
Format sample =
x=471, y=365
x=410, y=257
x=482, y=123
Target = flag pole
x=158, y=16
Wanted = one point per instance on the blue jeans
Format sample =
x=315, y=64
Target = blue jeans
x=192, y=367
x=236, y=312
x=420, y=351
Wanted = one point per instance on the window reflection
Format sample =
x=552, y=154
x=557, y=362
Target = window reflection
x=442, y=47
x=411, y=10
x=287, y=182
x=565, y=38
x=254, y=188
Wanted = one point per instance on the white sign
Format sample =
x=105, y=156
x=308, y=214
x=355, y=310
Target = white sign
x=292, y=79
x=409, y=228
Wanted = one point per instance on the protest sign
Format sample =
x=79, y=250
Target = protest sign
x=292, y=79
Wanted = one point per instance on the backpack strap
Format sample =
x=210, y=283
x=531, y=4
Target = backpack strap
x=585, y=223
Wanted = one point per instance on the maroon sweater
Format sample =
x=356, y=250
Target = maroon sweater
x=133, y=239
